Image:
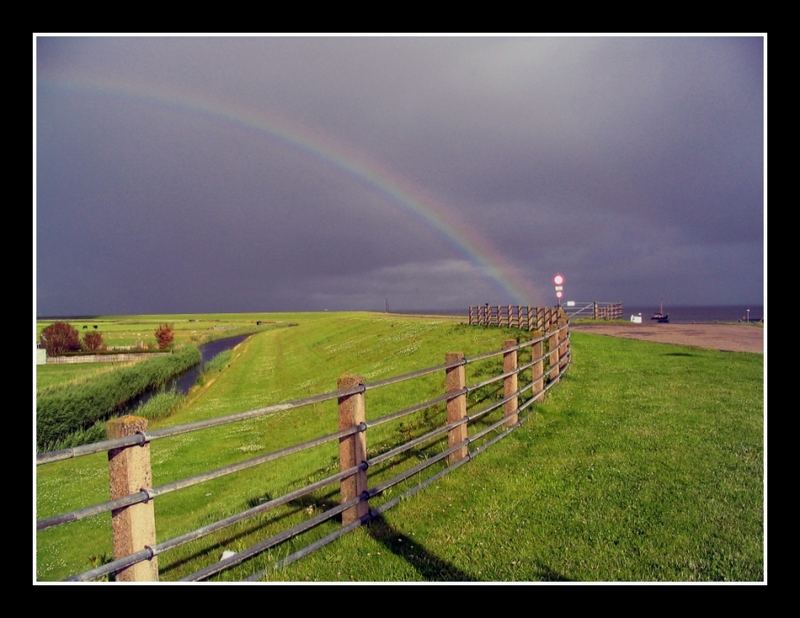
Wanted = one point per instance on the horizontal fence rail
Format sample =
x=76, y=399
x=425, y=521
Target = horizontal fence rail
x=133, y=519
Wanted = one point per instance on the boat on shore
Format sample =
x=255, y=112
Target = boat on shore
x=660, y=316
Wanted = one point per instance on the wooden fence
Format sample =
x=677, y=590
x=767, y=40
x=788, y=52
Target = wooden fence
x=594, y=309
x=132, y=490
x=516, y=316
x=607, y=311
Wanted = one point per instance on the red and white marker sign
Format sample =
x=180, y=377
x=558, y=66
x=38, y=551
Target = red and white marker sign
x=558, y=281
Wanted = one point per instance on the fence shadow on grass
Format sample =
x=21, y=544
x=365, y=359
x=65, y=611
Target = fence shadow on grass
x=545, y=573
x=428, y=565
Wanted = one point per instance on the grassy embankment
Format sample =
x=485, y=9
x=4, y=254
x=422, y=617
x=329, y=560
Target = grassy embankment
x=645, y=463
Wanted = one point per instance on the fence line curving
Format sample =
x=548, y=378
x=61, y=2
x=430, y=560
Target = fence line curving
x=133, y=519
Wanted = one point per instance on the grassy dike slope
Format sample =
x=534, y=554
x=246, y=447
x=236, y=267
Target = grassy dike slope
x=645, y=463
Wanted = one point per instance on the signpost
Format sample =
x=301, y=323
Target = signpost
x=558, y=281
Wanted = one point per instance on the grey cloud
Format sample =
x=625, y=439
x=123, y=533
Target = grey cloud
x=628, y=162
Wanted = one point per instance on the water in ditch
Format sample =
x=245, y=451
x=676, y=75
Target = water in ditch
x=184, y=381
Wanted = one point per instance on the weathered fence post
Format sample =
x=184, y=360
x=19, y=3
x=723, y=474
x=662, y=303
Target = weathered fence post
x=510, y=383
x=564, y=348
x=537, y=370
x=133, y=527
x=455, y=381
x=353, y=448
x=552, y=348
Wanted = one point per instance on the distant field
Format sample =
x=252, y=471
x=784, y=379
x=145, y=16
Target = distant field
x=645, y=463
x=189, y=328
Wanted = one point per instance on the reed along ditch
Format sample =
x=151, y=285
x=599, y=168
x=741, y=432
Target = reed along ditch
x=77, y=413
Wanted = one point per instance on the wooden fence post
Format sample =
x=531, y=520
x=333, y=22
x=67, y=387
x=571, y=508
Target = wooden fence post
x=133, y=527
x=564, y=346
x=456, y=380
x=552, y=348
x=537, y=370
x=510, y=383
x=353, y=448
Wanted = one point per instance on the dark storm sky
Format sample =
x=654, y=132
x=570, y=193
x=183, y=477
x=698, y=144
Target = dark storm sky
x=632, y=165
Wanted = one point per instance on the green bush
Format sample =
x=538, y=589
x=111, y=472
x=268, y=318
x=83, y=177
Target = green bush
x=74, y=407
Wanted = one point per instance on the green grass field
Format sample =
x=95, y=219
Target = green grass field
x=188, y=328
x=645, y=463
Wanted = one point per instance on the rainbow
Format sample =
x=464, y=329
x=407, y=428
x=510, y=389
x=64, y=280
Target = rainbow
x=464, y=238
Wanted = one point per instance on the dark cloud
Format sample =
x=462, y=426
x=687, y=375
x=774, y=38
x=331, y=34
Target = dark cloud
x=631, y=164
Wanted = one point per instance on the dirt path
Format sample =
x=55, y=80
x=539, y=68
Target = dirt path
x=729, y=337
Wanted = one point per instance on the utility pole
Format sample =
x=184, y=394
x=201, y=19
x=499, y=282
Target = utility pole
x=387, y=304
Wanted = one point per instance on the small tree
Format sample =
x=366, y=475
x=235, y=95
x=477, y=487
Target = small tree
x=93, y=341
x=60, y=338
x=164, y=336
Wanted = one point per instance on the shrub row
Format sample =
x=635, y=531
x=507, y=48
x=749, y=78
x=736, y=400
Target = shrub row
x=78, y=406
